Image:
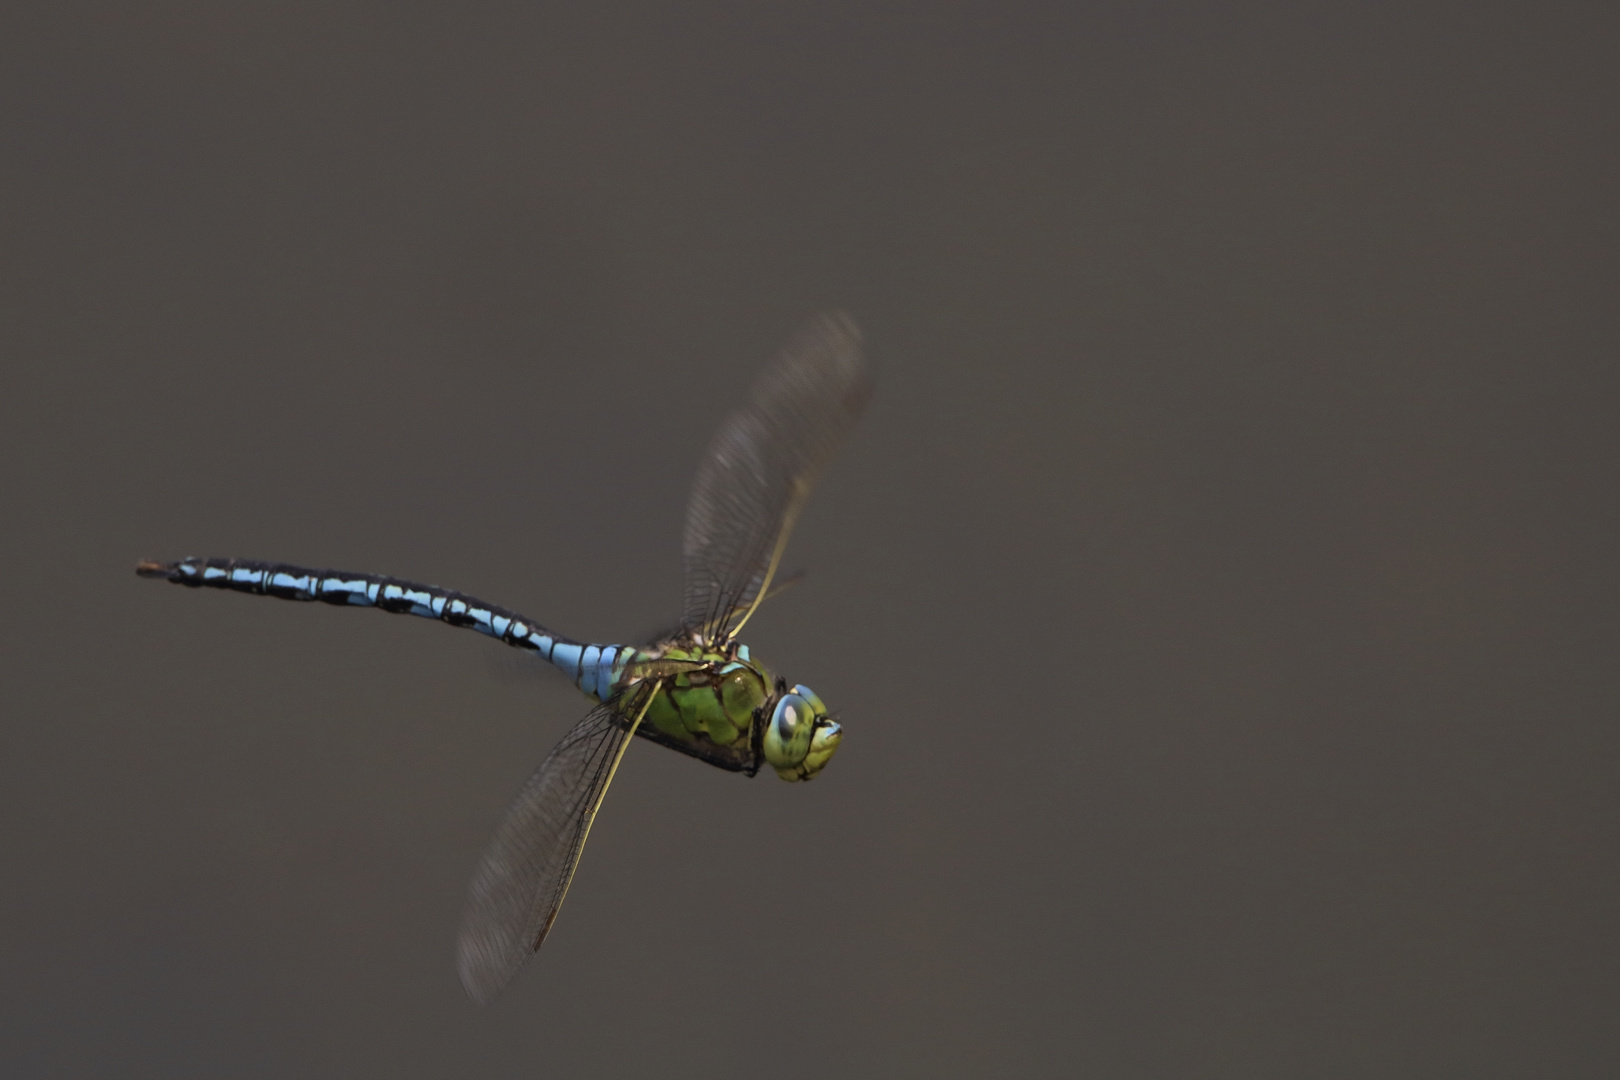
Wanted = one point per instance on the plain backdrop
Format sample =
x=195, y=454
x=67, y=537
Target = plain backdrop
x=1221, y=595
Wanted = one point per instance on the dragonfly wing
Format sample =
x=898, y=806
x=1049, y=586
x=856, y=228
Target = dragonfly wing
x=761, y=466
x=520, y=883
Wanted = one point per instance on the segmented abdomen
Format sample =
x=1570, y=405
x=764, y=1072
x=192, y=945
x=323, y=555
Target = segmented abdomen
x=594, y=668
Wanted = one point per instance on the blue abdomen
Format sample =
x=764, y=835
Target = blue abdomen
x=593, y=668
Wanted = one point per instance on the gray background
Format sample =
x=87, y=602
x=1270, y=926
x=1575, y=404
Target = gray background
x=1220, y=595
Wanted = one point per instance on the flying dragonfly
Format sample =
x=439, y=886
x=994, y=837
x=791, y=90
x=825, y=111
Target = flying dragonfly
x=699, y=691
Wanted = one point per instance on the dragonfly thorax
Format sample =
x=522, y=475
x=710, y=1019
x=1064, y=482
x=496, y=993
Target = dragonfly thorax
x=723, y=706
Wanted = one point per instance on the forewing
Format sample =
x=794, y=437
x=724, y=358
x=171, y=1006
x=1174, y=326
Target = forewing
x=524, y=875
x=761, y=466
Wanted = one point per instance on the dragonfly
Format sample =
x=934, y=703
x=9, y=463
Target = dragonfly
x=699, y=691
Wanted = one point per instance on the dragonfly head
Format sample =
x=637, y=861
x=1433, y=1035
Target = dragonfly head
x=800, y=737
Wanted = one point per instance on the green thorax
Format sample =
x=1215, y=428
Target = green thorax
x=708, y=706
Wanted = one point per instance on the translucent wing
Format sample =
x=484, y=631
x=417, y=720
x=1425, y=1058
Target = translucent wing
x=524, y=875
x=760, y=468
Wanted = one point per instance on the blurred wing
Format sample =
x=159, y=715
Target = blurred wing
x=760, y=468
x=524, y=875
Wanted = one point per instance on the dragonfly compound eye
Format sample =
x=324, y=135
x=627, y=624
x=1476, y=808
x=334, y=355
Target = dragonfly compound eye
x=800, y=739
x=787, y=738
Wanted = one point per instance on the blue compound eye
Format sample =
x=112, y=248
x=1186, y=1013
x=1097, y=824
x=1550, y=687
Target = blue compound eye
x=809, y=696
x=791, y=711
x=787, y=739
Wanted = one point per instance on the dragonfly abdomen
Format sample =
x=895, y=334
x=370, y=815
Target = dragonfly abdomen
x=593, y=668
